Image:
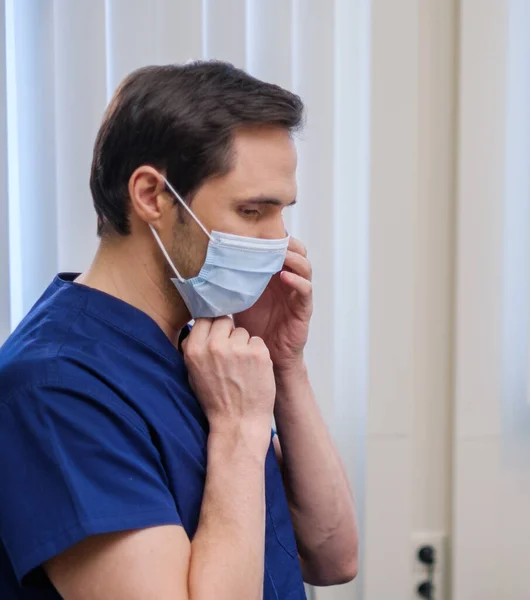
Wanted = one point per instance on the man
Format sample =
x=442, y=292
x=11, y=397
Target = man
x=134, y=466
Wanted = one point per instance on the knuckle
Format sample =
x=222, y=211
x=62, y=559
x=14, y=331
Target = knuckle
x=191, y=352
x=260, y=350
x=254, y=351
x=239, y=352
x=216, y=348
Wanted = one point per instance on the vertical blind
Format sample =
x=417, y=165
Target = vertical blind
x=61, y=62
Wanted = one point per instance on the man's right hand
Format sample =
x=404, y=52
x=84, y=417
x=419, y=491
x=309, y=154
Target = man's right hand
x=232, y=377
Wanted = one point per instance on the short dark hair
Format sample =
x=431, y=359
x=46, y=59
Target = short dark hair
x=180, y=118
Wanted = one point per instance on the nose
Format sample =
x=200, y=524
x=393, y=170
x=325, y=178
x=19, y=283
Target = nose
x=274, y=230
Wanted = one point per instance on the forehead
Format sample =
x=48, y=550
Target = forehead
x=264, y=158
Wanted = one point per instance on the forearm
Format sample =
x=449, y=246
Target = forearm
x=317, y=486
x=227, y=552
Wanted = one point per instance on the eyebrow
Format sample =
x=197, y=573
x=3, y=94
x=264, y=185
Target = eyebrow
x=265, y=200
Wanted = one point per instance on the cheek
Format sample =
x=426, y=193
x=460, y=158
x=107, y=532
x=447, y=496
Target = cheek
x=190, y=246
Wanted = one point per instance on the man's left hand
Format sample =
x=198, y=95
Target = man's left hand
x=281, y=316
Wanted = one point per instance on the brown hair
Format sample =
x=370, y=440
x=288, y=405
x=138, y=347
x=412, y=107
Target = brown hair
x=180, y=118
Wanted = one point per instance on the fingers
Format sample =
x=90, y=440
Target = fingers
x=221, y=328
x=240, y=336
x=258, y=344
x=298, y=264
x=199, y=331
x=296, y=245
x=301, y=285
x=204, y=331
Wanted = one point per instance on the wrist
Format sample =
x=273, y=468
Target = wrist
x=251, y=439
x=294, y=368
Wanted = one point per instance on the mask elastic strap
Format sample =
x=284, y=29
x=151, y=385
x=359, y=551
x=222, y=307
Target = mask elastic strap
x=192, y=214
x=159, y=241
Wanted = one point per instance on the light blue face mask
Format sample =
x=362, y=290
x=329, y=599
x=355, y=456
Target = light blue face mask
x=235, y=273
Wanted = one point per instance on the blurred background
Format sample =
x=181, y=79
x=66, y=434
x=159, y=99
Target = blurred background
x=414, y=203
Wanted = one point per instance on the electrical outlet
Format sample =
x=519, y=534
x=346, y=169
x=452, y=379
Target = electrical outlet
x=420, y=572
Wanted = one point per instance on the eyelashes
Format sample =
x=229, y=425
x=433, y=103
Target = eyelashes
x=250, y=212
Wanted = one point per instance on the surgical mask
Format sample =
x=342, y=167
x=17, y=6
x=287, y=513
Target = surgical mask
x=235, y=273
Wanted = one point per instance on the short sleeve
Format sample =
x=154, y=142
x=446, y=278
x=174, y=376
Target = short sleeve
x=74, y=465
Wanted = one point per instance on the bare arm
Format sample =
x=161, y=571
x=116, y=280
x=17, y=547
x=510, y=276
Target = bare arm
x=317, y=487
x=228, y=550
x=149, y=564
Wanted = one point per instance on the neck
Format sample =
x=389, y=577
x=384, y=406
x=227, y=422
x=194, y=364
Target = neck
x=133, y=271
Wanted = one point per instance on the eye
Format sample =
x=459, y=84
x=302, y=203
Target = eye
x=249, y=212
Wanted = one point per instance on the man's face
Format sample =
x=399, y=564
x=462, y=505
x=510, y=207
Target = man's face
x=247, y=201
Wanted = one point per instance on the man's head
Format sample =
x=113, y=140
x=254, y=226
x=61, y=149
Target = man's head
x=221, y=137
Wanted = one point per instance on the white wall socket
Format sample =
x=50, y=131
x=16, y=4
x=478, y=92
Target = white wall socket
x=419, y=571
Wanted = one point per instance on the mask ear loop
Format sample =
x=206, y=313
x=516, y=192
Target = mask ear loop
x=192, y=214
x=159, y=242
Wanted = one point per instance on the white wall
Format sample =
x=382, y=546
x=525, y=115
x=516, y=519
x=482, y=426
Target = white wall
x=411, y=286
x=492, y=442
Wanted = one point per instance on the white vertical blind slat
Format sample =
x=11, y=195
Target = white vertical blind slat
x=80, y=85
x=351, y=167
x=225, y=31
x=350, y=251
x=32, y=160
x=131, y=38
x=269, y=40
x=179, y=30
x=270, y=53
x=516, y=353
x=147, y=32
x=514, y=545
x=314, y=22
x=5, y=300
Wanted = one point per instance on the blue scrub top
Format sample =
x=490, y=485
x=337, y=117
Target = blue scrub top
x=100, y=432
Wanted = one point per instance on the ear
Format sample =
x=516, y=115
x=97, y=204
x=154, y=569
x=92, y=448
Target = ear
x=146, y=191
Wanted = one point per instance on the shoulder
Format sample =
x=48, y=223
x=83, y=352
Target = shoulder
x=49, y=360
x=49, y=366
x=29, y=355
x=55, y=347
